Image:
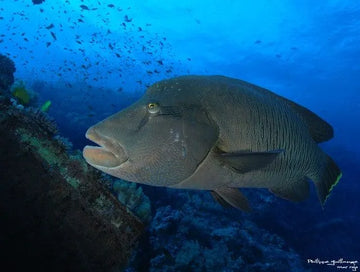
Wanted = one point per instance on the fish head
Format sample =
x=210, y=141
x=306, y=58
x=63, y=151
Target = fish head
x=158, y=141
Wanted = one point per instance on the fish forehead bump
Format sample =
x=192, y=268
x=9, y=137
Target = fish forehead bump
x=184, y=89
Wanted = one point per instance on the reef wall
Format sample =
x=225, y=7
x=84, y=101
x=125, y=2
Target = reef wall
x=56, y=213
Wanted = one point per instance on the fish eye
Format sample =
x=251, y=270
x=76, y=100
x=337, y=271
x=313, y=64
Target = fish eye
x=153, y=107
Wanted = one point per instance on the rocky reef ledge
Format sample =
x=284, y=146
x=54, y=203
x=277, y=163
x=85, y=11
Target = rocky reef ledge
x=56, y=213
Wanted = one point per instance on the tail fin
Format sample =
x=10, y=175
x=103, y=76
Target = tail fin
x=327, y=179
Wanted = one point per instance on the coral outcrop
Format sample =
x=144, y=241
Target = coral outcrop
x=133, y=197
x=196, y=234
x=56, y=214
x=7, y=70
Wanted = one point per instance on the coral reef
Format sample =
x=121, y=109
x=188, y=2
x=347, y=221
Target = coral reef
x=23, y=95
x=18, y=92
x=133, y=197
x=56, y=214
x=196, y=234
x=7, y=70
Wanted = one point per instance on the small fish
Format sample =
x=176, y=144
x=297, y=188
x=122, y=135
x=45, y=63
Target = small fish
x=127, y=19
x=84, y=7
x=53, y=35
x=217, y=134
x=45, y=107
x=49, y=26
x=37, y=2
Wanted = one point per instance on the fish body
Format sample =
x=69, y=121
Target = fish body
x=219, y=134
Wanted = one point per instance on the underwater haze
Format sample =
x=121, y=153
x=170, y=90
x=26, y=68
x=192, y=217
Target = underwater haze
x=93, y=58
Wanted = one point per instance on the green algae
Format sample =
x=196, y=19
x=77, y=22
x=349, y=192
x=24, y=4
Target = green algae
x=45, y=150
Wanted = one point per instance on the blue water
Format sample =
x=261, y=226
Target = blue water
x=92, y=58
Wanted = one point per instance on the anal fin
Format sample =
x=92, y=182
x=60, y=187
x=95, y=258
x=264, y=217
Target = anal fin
x=231, y=197
x=220, y=200
x=295, y=191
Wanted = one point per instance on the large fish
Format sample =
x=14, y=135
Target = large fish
x=218, y=134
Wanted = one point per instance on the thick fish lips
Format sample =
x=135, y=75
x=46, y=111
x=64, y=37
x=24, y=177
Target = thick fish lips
x=108, y=154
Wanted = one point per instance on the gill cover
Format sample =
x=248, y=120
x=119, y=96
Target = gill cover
x=172, y=144
x=200, y=133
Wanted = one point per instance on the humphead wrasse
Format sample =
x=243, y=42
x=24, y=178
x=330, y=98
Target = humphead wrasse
x=218, y=134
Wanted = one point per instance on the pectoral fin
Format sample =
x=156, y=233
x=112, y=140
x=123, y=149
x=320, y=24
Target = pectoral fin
x=246, y=161
x=228, y=197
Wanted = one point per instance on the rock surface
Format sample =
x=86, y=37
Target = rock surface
x=56, y=215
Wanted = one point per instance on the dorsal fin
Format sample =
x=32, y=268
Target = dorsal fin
x=319, y=129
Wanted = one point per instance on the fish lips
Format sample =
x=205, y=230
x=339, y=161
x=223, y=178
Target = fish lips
x=108, y=154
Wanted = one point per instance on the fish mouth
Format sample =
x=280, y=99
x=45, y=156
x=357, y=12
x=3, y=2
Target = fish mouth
x=108, y=153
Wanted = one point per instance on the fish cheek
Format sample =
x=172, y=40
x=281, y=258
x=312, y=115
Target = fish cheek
x=155, y=153
x=169, y=150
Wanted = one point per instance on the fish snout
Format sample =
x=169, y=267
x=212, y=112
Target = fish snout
x=109, y=153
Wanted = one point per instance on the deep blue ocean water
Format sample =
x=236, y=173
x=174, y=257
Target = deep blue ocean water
x=93, y=58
